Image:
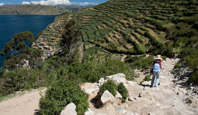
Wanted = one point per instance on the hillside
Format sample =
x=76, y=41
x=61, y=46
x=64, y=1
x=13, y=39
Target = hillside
x=28, y=9
x=94, y=44
x=138, y=26
x=133, y=27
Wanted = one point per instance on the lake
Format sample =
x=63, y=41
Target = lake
x=12, y=24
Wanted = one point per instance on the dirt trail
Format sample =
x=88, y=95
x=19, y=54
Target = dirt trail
x=167, y=99
x=25, y=104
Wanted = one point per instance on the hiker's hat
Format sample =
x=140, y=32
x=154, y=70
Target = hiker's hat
x=158, y=57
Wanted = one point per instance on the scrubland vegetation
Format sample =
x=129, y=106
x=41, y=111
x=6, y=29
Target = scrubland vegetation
x=130, y=27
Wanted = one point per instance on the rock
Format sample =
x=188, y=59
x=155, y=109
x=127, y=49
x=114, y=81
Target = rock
x=102, y=81
x=90, y=88
x=118, y=95
x=146, y=83
x=70, y=109
x=118, y=78
x=107, y=97
x=131, y=98
x=140, y=95
x=89, y=112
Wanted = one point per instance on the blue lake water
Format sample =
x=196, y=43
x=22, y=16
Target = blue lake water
x=12, y=24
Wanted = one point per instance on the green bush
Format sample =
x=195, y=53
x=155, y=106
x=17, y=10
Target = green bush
x=19, y=80
x=194, y=78
x=140, y=62
x=110, y=86
x=92, y=70
x=59, y=95
x=123, y=91
x=147, y=78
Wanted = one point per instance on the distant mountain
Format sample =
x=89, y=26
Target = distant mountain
x=29, y=9
x=72, y=7
x=38, y=9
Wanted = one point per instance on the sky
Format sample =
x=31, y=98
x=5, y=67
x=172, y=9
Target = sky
x=52, y=2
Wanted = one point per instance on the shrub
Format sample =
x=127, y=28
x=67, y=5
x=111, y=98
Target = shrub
x=59, y=95
x=110, y=86
x=140, y=62
x=147, y=78
x=19, y=80
x=123, y=91
x=194, y=78
x=93, y=70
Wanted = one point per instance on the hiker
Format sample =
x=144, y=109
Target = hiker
x=156, y=67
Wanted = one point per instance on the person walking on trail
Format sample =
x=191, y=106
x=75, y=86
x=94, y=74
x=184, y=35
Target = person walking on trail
x=156, y=67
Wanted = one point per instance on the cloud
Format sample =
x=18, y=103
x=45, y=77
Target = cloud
x=86, y=3
x=49, y=2
x=1, y=4
x=25, y=3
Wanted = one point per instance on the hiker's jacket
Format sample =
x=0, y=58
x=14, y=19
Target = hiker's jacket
x=156, y=67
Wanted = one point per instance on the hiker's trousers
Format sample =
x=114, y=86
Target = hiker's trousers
x=155, y=79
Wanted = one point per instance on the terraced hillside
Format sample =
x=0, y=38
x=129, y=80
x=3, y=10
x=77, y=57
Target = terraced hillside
x=131, y=27
x=138, y=26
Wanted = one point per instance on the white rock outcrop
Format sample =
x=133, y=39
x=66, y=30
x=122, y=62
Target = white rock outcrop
x=101, y=81
x=70, y=109
x=107, y=97
x=89, y=112
x=118, y=95
x=90, y=88
x=118, y=78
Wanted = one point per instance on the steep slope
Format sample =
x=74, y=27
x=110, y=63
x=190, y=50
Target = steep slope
x=169, y=99
x=139, y=26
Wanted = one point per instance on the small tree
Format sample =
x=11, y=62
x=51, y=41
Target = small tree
x=19, y=43
x=18, y=48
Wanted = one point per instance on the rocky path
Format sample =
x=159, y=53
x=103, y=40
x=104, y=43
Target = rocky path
x=167, y=99
x=25, y=104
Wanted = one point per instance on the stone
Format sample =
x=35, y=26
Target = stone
x=70, y=109
x=118, y=95
x=107, y=97
x=101, y=81
x=89, y=112
x=118, y=78
x=90, y=88
x=146, y=83
x=140, y=95
x=131, y=98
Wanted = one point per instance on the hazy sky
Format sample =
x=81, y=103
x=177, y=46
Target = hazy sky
x=51, y=2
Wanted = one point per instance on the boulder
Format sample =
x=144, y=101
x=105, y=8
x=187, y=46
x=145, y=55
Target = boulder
x=90, y=88
x=70, y=109
x=107, y=97
x=118, y=78
x=146, y=83
x=118, y=95
x=89, y=112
